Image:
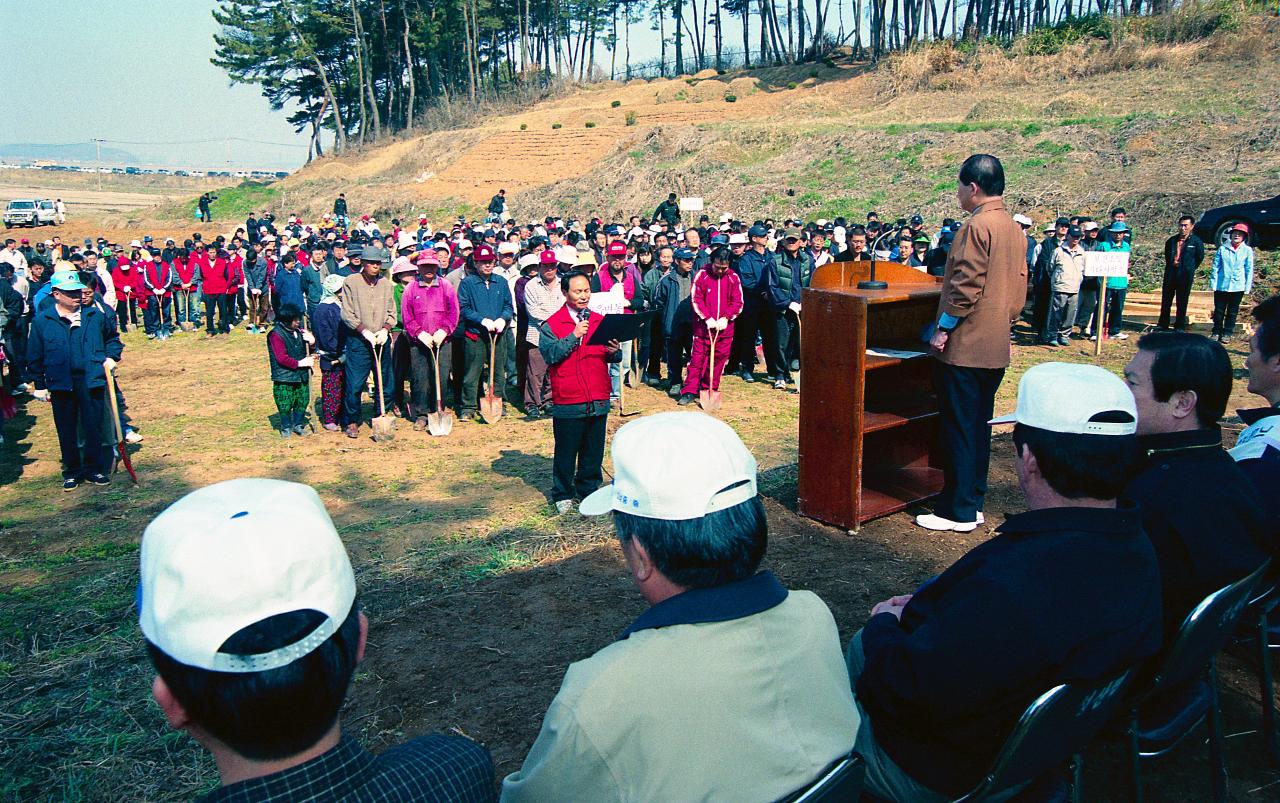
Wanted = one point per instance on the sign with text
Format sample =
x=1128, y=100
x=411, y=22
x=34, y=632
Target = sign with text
x=1106, y=263
x=690, y=204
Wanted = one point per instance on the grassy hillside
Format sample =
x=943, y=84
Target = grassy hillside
x=1163, y=116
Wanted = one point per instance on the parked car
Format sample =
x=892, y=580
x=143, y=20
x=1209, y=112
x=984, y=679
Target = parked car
x=29, y=212
x=1262, y=217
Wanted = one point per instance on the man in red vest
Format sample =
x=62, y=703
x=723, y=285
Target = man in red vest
x=580, y=388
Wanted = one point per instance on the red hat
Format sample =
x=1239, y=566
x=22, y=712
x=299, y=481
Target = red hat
x=548, y=257
x=364, y=217
x=1240, y=227
x=483, y=253
x=427, y=257
x=617, y=248
x=25, y=241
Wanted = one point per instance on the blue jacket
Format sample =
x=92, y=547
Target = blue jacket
x=1232, y=269
x=331, y=335
x=478, y=299
x=288, y=287
x=1059, y=594
x=755, y=270
x=56, y=352
x=311, y=285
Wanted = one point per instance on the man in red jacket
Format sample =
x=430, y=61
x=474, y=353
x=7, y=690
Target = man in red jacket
x=580, y=388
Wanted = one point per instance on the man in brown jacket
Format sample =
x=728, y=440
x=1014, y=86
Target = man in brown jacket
x=983, y=291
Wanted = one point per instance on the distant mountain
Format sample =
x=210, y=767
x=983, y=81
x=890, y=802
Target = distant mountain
x=79, y=152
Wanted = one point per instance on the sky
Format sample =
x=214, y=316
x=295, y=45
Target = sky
x=136, y=73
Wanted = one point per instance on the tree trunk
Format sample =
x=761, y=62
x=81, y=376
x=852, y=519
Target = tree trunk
x=679, y=20
x=408, y=60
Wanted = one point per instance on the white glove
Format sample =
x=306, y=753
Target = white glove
x=158, y=291
x=439, y=336
x=794, y=306
x=712, y=323
x=370, y=336
x=381, y=337
x=487, y=323
x=40, y=395
x=256, y=291
x=722, y=324
x=306, y=362
x=307, y=336
x=109, y=364
x=426, y=339
x=500, y=324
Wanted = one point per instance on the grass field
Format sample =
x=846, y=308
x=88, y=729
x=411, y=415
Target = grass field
x=478, y=596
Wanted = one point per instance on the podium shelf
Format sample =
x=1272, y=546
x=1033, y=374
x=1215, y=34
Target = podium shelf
x=885, y=492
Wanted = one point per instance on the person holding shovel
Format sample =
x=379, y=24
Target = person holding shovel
x=429, y=312
x=484, y=300
x=287, y=348
x=331, y=336
x=580, y=388
x=716, y=299
x=368, y=312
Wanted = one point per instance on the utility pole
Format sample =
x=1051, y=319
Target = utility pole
x=98, y=143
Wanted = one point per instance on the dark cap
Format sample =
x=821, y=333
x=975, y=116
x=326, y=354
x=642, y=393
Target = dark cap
x=1074, y=231
x=1063, y=221
x=756, y=231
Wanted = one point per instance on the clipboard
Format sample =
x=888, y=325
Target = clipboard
x=621, y=327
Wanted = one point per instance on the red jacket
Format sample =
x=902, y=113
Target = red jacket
x=186, y=270
x=235, y=274
x=713, y=297
x=584, y=375
x=156, y=275
x=125, y=278
x=215, y=278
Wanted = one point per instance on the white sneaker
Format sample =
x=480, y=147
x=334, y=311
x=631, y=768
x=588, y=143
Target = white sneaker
x=931, y=522
x=564, y=506
x=133, y=436
x=1121, y=336
x=981, y=519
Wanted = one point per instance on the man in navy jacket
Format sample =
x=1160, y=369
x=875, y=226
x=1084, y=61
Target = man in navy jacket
x=1068, y=591
x=484, y=301
x=69, y=350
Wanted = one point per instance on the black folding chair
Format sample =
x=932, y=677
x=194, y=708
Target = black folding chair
x=1052, y=732
x=839, y=783
x=1184, y=688
x=1257, y=632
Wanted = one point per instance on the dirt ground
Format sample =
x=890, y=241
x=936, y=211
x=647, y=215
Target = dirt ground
x=478, y=596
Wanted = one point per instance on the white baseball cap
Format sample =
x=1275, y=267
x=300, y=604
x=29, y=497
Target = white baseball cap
x=508, y=247
x=726, y=217
x=675, y=466
x=406, y=240
x=738, y=238
x=567, y=254
x=1066, y=397
x=232, y=554
x=1022, y=219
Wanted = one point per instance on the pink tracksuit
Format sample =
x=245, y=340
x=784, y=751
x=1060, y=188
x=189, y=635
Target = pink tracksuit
x=712, y=297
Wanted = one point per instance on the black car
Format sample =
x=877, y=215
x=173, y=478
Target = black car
x=1262, y=217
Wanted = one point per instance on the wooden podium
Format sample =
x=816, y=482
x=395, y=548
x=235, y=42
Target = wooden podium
x=868, y=423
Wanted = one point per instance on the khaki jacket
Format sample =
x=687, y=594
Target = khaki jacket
x=985, y=285
x=1067, y=270
x=749, y=709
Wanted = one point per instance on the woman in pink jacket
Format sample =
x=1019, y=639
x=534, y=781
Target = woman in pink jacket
x=716, y=299
x=429, y=314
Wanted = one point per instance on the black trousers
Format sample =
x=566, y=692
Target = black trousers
x=222, y=305
x=757, y=316
x=966, y=402
x=579, y=451
x=1176, y=289
x=422, y=376
x=75, y=411
x=1226, y=306
x=1042, y=295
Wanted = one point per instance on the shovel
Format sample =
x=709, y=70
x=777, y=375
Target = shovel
x=439, y=423
x=384, y=426
x=709, y=399
x=115, y=421
x=490, y=405
x=311, y=421
x=622, y=397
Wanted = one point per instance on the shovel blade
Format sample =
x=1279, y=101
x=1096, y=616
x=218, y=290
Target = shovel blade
x=439, y=424
x=490, y=409
x=709, y=400
x=384, y=428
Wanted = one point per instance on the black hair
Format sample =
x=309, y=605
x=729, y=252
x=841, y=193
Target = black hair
x=1187, y=217
x=277, y=713
x=1185, y=361
x=721, y=253
x=984, y=170
x=720, y=547
x=565, y=279
x=1267, y=314
x=1083, y=466
x=288, y=313
x=289, y=257
x=1119, y=210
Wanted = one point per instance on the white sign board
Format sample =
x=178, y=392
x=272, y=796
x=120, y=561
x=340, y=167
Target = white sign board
x=690, y=204
x=1106, y=263
x=608, y=303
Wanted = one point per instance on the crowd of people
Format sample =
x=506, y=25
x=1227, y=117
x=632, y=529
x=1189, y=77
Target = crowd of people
x=734, y=687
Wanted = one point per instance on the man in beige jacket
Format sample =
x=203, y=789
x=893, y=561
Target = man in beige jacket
x=983, y=291
x=729, y=687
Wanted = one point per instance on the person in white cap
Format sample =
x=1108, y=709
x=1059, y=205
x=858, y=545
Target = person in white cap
x=1067, y=591
x=249, y=609
x=729, y=687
